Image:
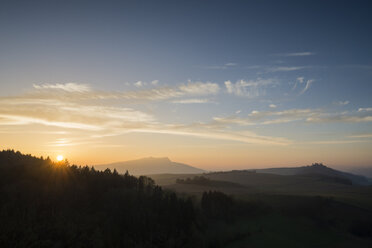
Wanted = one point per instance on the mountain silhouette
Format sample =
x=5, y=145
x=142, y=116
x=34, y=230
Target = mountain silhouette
x=316, y=169
x=150, y=166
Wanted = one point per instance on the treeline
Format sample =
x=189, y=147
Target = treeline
x=200, y=180
x=204, y=181
x=47, y=204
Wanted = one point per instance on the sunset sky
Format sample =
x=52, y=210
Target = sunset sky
x=215, y=84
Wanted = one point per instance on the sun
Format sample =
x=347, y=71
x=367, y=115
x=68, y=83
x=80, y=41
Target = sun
x=59, y=158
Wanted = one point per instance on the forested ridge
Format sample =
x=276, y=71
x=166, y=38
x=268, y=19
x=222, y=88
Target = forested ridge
x=48, y=204
x=55, y=204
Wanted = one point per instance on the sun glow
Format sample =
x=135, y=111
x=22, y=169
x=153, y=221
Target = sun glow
x=59, y=158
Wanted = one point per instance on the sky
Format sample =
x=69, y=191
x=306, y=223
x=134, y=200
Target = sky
x=216, y=84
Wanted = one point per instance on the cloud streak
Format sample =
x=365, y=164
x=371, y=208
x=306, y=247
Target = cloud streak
x=291, y=115
x=307, y=86
x=192, y=101
x=297, y=54
x=220, y=67
x=97, y=118
x=286, y=68
x=69, y=87
x=83, y=92
x=249, y=89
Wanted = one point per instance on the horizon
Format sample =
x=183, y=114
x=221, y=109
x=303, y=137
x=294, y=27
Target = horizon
x=215, y=85
x=353, y=170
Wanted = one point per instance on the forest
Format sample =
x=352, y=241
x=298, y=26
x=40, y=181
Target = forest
x=55, y=204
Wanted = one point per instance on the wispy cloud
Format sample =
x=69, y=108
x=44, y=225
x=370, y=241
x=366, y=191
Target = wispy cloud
x=155, y=82
x=25, y=120
x=97, y=118
x=231, y=64
x=361, y=115
x=285, y=68
x=296, y=54
x=365, y=110
x=304, y=115
x=191, y=101
x=300, y=79
x=139, y=84
x=69, y=87
x=241, y=136
x=269, y=117
x=362, y=136
x=341, y=103
x=250, y=89
x=343, y=118
x=220, y=67
x=307, y=86
x=335, y=142
x=84, y=92
x=200, y=88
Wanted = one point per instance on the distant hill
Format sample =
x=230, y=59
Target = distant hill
x=151, y=166
x=316, y=169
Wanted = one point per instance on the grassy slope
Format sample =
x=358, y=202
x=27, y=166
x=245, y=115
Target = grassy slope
x=254, y=183
x=285, y=196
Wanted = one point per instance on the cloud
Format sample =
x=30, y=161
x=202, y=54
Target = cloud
x=200, y=88
x=241, y=136
x=335, y=142
x=340, y=118
x=24, y=120
x=190, y=101
x=341, y=103
x=272, y=106
x=220, y=67
x=291, y=115
x=295, y=54
x=141, y=95
x=311, y=116
x=91, y=117
x=250, y=89
x=139, y=84
x=364, y=109
x=362, y=136
x=234, y=120
x=286, y=68
x=362, y=115
x=307, y=86
x=269, y=117
x=300, y=79
x=165, y=93
x=69, y=87
x=155, y=82
x=231, y=64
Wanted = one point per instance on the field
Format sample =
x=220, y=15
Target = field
x=286, y=211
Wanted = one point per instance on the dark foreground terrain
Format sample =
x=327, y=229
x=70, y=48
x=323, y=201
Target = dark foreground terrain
x=47, y=204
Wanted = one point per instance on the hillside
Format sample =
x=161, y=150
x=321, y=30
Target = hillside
x=319, y=169
x=148, y=166
x=338, y=187
x=47, y=204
